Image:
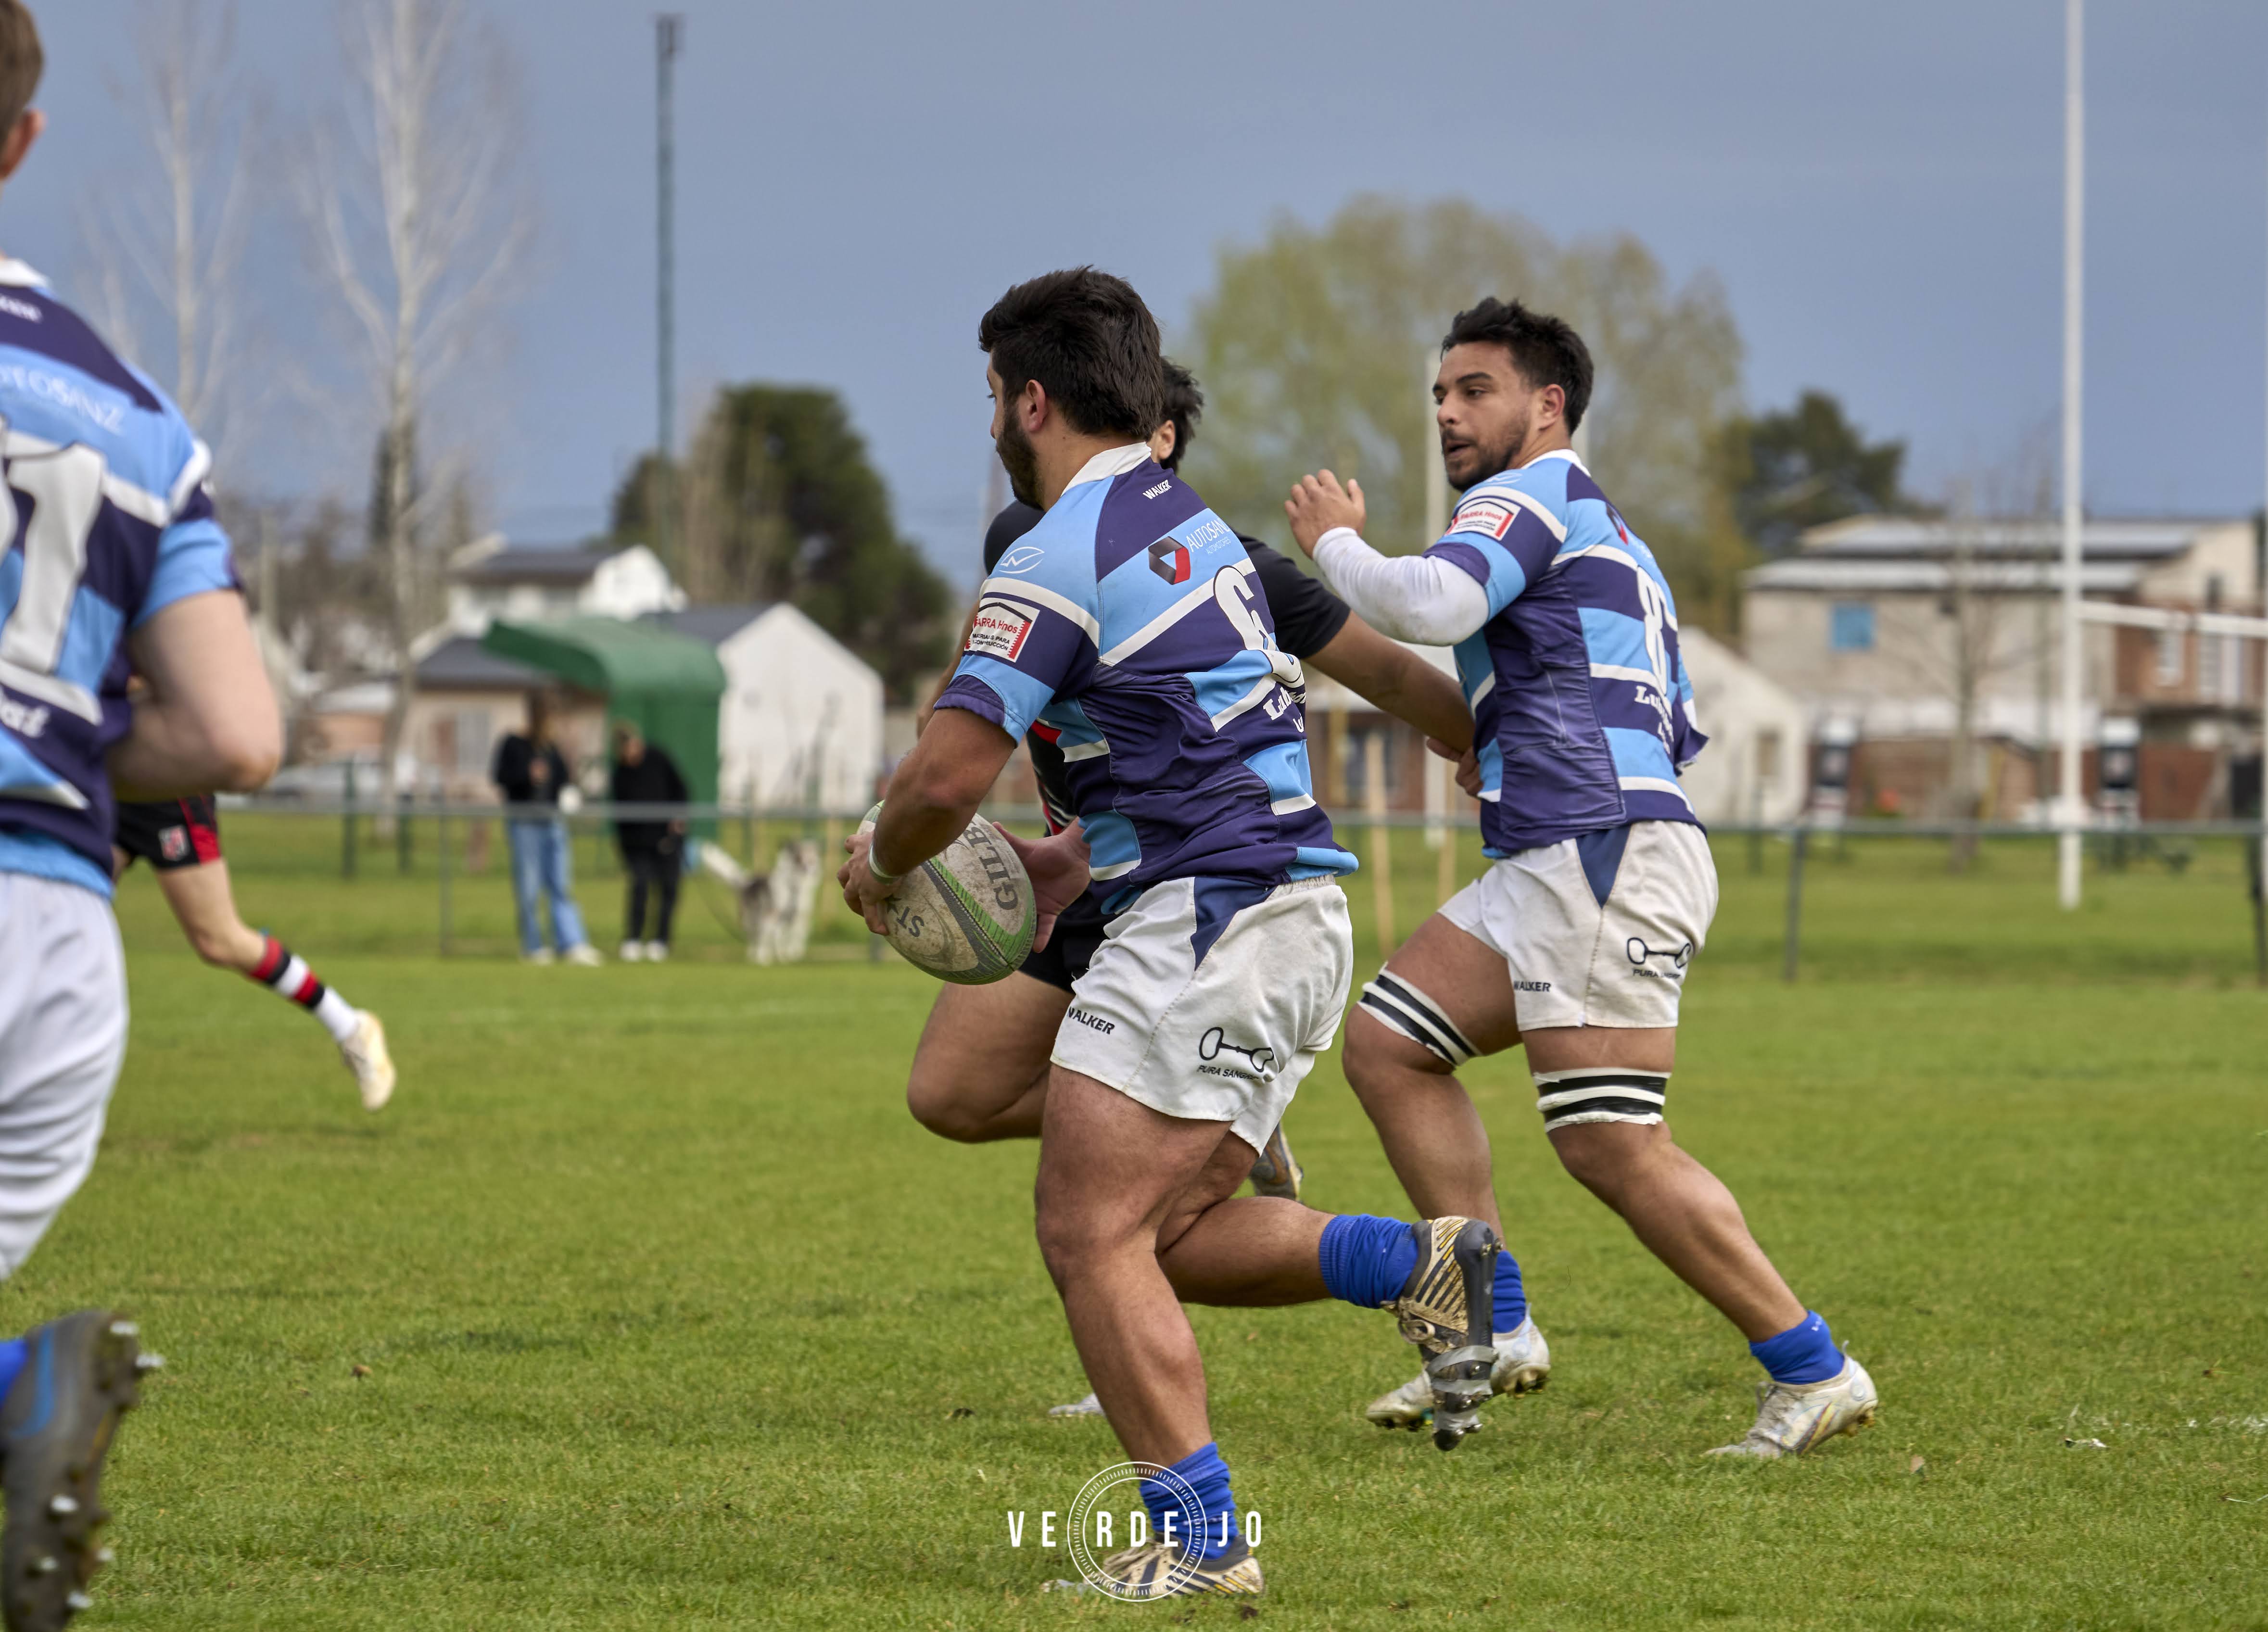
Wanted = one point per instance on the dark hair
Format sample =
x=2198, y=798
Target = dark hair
x=1184, y=405
x=1546, y=351
x=21, y=62
x=1089, y=340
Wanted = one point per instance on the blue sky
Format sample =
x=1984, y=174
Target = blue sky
x=1878, y=187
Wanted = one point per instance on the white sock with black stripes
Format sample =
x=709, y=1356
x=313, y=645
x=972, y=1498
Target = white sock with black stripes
x=1599, y=1093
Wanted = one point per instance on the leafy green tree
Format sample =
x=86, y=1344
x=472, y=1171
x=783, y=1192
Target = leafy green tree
x=1805, y=466
x=778, y=502
x=1317, y=346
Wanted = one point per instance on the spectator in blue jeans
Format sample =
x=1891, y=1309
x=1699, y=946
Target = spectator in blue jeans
x=532, y=773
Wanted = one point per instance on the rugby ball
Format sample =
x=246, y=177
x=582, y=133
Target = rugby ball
x=968, y=913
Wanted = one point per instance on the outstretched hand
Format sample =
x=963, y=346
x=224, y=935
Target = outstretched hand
x=1319, y=503
x=1059, y=869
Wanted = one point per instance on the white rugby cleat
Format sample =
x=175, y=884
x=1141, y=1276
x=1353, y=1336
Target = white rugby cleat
x=1523, y=1364
x=365, y=1052
x=1088, y=1406
x=1793, y=1418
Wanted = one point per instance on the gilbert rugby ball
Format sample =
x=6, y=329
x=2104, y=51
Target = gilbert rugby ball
x=968, y=913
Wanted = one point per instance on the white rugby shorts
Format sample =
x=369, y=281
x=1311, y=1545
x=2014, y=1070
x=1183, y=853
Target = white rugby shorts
x=1210, y=998
x=1592, y=937
x=62, y=1038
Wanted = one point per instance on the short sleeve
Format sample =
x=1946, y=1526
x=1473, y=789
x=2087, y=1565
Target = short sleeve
x=1308, y=616
x=1504, y=538
x=1031, y=637
x=193, y=557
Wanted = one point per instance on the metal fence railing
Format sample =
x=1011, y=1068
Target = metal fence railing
x=444, y=841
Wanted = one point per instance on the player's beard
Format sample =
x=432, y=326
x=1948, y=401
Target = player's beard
x=1021, y=461
x=1492, y=459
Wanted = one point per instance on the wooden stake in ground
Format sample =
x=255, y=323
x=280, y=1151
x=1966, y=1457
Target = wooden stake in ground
x=1381, y=859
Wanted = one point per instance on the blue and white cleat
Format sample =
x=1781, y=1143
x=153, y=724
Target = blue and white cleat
x=1523, y=1364
x=1447, y=1308
x=1793, y=1418
x=82, y=1373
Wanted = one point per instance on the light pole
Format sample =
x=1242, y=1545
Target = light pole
x=2071, y=811
x=668, y=34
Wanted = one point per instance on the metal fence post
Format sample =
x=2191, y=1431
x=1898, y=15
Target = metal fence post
x=1793, y=947
x=442, y=838
x=404, y=840
x=2252, y=868
x=347, y=833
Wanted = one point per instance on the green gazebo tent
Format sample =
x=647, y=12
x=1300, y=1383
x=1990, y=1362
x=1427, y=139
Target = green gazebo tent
x=666, y=685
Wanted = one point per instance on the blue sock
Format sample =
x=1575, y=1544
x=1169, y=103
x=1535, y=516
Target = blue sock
x=1367, y=1261
x=1511, y=1297
x=14, y=1354
x=1805, y=1352
x=1208, y=1476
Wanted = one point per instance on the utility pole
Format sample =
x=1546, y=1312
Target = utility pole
x=2071, y=809
x=668, y=34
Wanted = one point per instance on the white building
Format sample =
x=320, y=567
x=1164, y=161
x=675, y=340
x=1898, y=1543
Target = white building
x=800, y=722
x=525, y=584
x=1754, y=768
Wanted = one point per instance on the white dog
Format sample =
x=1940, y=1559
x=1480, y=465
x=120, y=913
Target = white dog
x=775, y=906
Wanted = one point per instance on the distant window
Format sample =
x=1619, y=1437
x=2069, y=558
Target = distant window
x=472, y=729
x=2173, y=650
x=1768, y=758
x=1851, y=625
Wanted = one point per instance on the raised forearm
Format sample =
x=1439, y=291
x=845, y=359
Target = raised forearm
x=1415, y=598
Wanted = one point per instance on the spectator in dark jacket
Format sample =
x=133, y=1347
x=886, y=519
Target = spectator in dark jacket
x=653, y=852
x=531, y=773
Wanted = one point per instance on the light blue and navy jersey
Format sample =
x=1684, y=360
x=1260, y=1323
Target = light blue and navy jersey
x=1127, y=626
x=1582, y=709
x=107, y=520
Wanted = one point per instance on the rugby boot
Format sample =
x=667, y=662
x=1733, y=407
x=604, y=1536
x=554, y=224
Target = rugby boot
x=1164, y=1569
x=1277, y=1172
x=1793, y=1418
x=82, y=1372
x=1088, y=1406
x=366, y=1056
x=1523, y=1364
x=1446, y=1308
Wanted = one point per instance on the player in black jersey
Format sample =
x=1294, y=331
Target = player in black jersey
x=981, y=1072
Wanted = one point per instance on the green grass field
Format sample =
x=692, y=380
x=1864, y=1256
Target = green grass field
x=671, y=1317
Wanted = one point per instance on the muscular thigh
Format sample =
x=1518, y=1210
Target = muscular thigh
x=1451, y=972
x=1119, y=1166
x=985, y=1045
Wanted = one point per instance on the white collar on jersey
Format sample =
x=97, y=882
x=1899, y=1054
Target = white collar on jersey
x=17, y=273
x=1110, y=462
x=1569, y=454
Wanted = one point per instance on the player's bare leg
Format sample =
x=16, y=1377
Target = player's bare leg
x=1678, y=1208
x=980, y=1072
x=205, y=907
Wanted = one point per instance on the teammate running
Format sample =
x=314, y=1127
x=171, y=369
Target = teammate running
x=1126, y=623
x=1578, y=941
x=110, y=554
x=181, y=839
x=981, y=1071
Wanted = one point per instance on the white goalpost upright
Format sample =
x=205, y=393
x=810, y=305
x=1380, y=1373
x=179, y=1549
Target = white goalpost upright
x=2071, y=812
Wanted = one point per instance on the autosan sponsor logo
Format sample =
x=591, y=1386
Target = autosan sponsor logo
x=63, y=393
x=1170, y=559
x=999, y=630
x=1108, y=1516
x=1023, y=558
x=26, y=719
